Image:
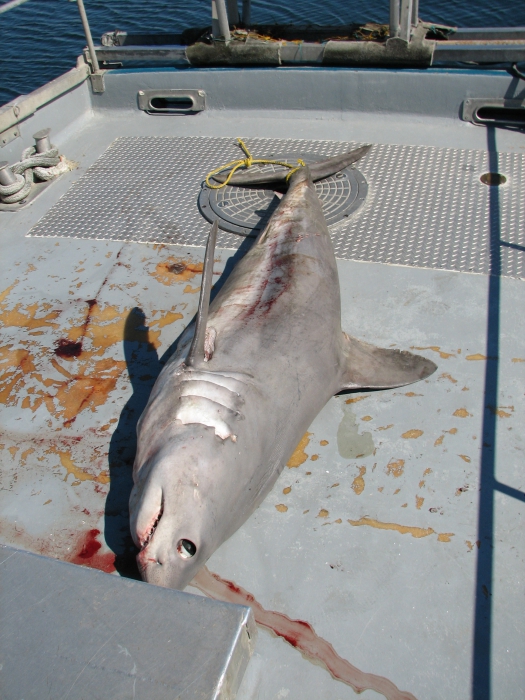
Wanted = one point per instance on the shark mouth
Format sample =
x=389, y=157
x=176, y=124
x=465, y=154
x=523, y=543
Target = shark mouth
x=147, y=537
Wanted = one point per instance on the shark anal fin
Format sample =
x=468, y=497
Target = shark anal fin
x=368, y=366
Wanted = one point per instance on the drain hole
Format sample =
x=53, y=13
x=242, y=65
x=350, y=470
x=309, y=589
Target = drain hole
x=493, y=179
x=171, y=104
x=501, y=115
x=186, y=549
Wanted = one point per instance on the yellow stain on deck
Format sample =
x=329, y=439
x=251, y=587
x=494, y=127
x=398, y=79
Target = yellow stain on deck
x=299, y=455
x=287, y=490
x=412, y=434
x=417, y=532
x=188, y=289
x=518, y=359
x=386, y=427
x=419, y=502
x=356, y=399
x=358, y=485
x=323, y=443
x=78, y=473
x=462, y=413
x=476, y=356
x=465, y=458
x=395, y=467
x=281, y=508
x=450, y=378
x=323, y=513
x=435, y=348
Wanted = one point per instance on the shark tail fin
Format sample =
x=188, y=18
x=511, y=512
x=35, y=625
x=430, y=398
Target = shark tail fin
x=368, y=366
x=318, y=171
x=196, y=351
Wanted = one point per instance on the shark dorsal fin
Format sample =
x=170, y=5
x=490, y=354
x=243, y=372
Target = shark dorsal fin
x=370, y=367
x=196, y=352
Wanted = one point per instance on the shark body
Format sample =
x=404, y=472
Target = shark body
x=231, y=405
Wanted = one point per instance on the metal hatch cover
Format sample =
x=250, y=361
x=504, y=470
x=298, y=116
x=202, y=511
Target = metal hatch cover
x=425, y=207
x=247, y=210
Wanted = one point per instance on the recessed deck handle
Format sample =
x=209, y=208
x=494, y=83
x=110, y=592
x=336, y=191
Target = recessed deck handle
x=494, y=112
x=172, y=101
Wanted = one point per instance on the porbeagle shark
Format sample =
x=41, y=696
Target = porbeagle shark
x=247, y=379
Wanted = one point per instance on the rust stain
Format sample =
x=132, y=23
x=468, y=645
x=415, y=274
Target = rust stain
x=518, y=359
x=476, y=356
x=299, y=455
x=47, y=502
x=412, y=393
x=405, y=505
x=386, y=427
x=396, y=492
x=421, y=484
x=167, y=318
x=445, y=537
x=314, y=458
x=462, y=413
x=323, y=513
x=358, y=485
x=338, y=521
x=174, y=270
x=395, y=467
x=452, y=431
x=356, y=399
x=461, y=490
x=333, y=486
x=450, y=378
x=419, y=502
x=287, y=490
x=281, y=508
x=380, y=489
x=427, y=471
x=299, y=634
x=465, y=458
x=13, y=450
x=435, y=348
x=366, y=418
x=412, y=434
x=470, y=544
x=323, y=443
x=402, y=529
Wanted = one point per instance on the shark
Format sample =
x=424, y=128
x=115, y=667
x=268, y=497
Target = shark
x=247, y=379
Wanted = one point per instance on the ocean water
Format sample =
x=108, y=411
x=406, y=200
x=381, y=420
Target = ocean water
x=42, y=38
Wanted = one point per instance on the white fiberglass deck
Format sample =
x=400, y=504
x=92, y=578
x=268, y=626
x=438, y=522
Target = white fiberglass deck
x=396, y=531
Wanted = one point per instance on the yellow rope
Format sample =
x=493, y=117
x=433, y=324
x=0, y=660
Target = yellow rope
x=247, y=163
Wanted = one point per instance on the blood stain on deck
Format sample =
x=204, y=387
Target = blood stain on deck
x=299, y=634
x=87, y=553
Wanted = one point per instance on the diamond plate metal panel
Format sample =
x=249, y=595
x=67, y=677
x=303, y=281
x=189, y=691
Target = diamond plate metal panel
x=426, y=207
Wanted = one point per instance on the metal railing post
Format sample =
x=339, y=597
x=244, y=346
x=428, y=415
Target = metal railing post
x=246, y=12
x=405, y=20
x=394, y=18
x=97, y=76
x=233, y=12
x=415, y=13
x=219, y=20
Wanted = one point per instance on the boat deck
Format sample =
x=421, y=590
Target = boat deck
x=396, y=530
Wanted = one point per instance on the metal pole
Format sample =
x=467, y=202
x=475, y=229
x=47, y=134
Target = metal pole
x=89, y=38
x=406, y=20
x=415, y=12
x=394, y=17
x=10, y=5
x=222, y=19
x=233, y=12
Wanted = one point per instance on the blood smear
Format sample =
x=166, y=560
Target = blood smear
x=300, y=635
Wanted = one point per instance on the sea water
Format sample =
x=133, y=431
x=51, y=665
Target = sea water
x=41, y=39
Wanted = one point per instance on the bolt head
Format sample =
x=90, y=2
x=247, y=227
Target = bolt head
x=201, y=93
x=141, y=92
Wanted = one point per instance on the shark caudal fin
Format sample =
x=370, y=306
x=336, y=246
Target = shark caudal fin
x=196, y=352
x=370, y=367
x=318, y=171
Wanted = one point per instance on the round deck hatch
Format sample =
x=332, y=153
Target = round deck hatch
x=246, y=211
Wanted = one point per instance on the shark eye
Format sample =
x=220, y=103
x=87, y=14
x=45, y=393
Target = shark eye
x=186, y=549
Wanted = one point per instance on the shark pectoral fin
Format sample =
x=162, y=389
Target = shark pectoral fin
x=368, y=366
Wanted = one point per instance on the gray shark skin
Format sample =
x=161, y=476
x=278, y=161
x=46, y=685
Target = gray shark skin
x=218, y=429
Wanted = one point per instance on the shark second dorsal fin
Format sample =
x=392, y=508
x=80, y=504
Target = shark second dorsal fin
x=318, y=171
x=370, y=367
x=196, y=352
